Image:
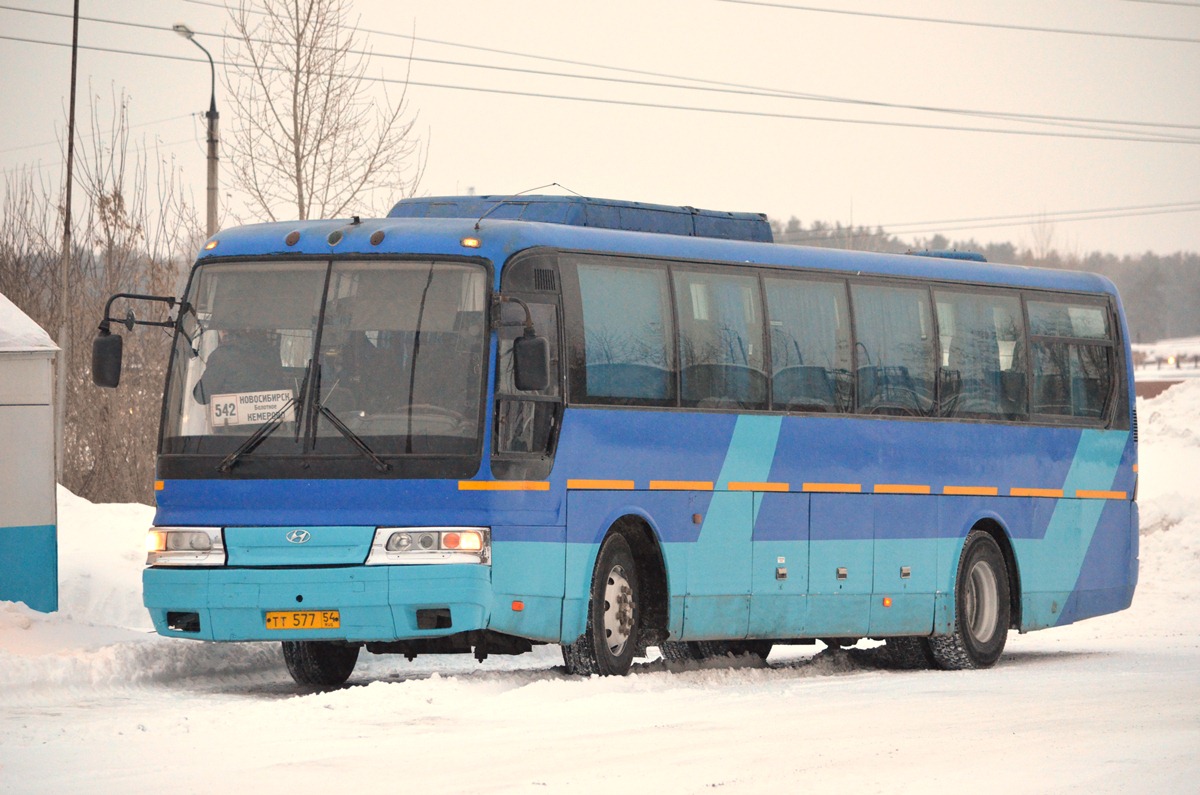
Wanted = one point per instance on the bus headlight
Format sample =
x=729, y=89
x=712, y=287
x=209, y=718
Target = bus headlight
x=185, y=546
x=409, y=545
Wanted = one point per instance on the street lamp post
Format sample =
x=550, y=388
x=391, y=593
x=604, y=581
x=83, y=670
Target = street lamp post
x=211, y=116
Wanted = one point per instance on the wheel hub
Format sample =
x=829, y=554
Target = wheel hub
x=618, y=610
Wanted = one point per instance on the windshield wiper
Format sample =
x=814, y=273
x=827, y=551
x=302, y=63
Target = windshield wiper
x=314, y=407
x=266, y=429
x=355, y=439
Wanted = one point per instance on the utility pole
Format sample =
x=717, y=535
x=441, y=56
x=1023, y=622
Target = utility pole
x=64, y=309
x=211, y=116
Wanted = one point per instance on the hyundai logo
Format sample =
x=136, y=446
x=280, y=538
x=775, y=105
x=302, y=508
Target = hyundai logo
x=298, y=536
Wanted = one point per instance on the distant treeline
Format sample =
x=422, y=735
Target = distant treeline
x=1161, y=292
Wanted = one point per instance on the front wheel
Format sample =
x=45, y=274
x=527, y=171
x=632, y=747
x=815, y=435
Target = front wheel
x=319, y=663
x=610, y=641
x=981, y=608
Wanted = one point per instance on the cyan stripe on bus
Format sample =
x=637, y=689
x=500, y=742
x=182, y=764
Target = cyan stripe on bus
x=1051, y=571
x=717, y=598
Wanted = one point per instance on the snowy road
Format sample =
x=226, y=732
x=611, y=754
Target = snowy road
x=1107, y=705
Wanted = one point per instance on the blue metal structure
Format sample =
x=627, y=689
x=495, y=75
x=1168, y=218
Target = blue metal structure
x=737, y=526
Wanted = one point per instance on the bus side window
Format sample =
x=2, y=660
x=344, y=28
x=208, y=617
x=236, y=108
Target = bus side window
x=721, y=349
x=982, y=373
x=810, y=344
x=626, y=356
x=1073, y=359
x=526, y=422
x=894, y=343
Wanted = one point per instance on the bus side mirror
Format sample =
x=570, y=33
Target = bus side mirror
x=106, y=358
x=531, y=362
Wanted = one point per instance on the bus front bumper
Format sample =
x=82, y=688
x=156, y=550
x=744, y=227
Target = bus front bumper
x=373, y=603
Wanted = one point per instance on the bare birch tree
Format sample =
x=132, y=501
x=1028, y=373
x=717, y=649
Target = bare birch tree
x=307, y=137
x=135, y=231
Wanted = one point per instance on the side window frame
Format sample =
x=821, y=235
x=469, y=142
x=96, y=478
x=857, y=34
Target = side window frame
x=1113, y=344
x=843, y=390
x=534, y=278
x=575, y=351
x=1025, y=351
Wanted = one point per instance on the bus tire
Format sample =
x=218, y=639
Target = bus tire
x=981, y=608
x=609, y=643
x=907, y=653
x=319, y=663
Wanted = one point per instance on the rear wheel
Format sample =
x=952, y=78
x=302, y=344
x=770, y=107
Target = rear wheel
x=981, y=608
x=610, y=641
x=319, y=662
x=908, y=653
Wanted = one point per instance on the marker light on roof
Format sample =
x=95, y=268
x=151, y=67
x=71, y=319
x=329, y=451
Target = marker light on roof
x=470, y=242
x=210, y=245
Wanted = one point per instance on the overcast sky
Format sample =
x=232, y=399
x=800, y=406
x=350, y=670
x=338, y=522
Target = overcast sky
x=507, y=130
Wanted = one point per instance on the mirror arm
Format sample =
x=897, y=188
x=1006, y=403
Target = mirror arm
x=505, y=299
x=129, y=321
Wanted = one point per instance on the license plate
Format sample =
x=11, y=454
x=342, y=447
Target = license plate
x=304, y=619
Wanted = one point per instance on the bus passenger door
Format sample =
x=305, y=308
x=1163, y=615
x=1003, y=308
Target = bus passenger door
x=780, y=576
x=841, y=565
x=717, y=604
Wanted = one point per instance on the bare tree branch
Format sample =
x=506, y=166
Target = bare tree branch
x=307, y=138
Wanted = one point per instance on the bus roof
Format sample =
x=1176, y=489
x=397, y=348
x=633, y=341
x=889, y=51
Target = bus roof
x=597, y=213
x=498, y=239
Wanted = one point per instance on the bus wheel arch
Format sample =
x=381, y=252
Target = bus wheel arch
x=982, y=605
x=654, y=607
x=626, y=601
x=999, y=534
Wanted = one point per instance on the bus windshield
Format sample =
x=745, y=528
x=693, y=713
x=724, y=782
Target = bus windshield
x=324, y=358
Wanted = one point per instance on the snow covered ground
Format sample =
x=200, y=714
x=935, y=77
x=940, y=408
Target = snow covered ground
x=91, y=701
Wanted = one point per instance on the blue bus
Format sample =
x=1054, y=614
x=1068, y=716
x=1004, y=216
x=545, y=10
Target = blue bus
x=485, y=423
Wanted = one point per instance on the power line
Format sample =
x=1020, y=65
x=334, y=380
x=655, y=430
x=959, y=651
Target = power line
x=1007, y=221
x=1061, y=214
x=153, y=123
x=1065, y=217
x=1166, y=3
x=1131, y=138
x=1095, y=124
x=965, y=23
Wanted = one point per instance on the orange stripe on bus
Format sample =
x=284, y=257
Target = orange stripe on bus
x=681, y=485
x=901, y=488
x=972, y=491
x=504, y=485
x=1086, y=494
x=600, y=484
x=1035, y=492
x=751, y=486
x=851, y=488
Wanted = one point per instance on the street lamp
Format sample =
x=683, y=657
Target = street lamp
x=211, y=116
